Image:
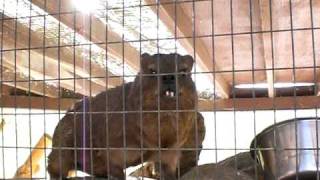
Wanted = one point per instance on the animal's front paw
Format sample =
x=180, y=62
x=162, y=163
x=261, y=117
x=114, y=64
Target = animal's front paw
x=166, y=173
x=168, y=177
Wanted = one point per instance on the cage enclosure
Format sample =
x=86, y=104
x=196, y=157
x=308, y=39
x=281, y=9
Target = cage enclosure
x=166, y=89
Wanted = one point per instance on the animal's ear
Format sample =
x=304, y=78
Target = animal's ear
x=147, y=62
x=145, y=55
x=187, y=63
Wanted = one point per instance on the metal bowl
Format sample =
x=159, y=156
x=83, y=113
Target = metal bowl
x=289, y=149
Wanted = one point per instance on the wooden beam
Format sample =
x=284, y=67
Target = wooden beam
x=240, y=104
x=82, y=86
x=40, y=88
x=167, y=15
x=264, y=6
x=249, y=104
x=5, y=89
x=76, y=63
x=92, y=28
x=32, y=165
x=36, y=102
x=50, y=69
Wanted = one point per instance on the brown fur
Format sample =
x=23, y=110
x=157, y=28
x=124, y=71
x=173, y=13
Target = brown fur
x=188, y=159
x=100, y=123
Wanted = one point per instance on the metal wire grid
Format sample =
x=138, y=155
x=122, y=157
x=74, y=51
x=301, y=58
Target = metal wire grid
x=194, y=36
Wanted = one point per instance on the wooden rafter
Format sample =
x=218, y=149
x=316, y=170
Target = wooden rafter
x=50, y=69
x=97, y=33
x=32, y=164
x=5, y=89
x=249, y=104
x=71, y=63
x=167, y=15
x=240, y=104
x=82, y=86
x=266, y=39
x=36, y=102
x=40, y=88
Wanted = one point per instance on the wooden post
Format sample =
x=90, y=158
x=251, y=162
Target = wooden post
x=266, y=38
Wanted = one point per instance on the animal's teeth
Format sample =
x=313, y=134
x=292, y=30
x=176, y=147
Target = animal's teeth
x=167, y=93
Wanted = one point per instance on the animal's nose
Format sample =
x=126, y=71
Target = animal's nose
x=168, y=86
x=168, y=79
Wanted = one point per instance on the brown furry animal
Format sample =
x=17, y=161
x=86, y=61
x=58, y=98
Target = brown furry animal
x=130, y=124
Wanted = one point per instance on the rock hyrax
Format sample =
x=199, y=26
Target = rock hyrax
x=148, y=119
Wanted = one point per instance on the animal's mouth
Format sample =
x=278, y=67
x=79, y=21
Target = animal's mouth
x=169, y=93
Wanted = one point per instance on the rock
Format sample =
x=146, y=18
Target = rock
x=243, y=162
x=240, y=167
x=215, y=172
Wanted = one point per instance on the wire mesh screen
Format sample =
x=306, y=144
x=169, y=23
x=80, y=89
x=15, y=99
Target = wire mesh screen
x=146, y=89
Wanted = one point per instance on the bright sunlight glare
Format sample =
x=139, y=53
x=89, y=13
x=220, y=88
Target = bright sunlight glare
x=86, y=6
x=276, y=85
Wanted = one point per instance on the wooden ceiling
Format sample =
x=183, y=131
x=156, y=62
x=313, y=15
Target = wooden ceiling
x=245, y=47
x=243, y=42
